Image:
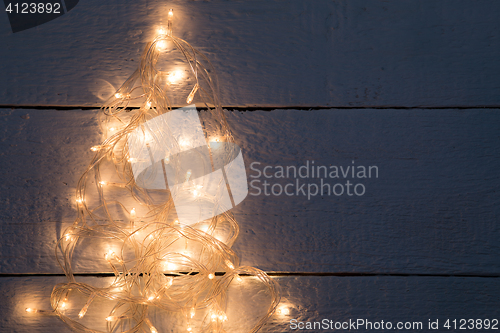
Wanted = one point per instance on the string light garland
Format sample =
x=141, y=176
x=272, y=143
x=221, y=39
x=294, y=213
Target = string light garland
x=160, y=262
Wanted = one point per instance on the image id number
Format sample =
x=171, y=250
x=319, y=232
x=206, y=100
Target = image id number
x=34, y=8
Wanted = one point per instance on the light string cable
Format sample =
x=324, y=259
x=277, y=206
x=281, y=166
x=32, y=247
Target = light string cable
x=156, y=261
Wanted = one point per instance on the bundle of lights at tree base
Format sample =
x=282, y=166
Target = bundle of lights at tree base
x=158, y=191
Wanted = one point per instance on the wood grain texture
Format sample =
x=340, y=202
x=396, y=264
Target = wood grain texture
x=432, y=210
x=269, y=53
x=391, y=299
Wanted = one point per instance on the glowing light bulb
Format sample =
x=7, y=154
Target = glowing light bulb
x=63, y=305
x=203, y=228
x=151, y=327
x=112, y=129
x=132, y=160
x=31, y=310
x=117, y=258
x=118, y=95
x=169, y=266
x=132, y=213
x=183, y=143
x=112, y=318
x=191, y=94
x=109, y=255
x=213, y=316
x=175, y=76
x=102, y=183
x=161, y=45
x=172, y=77
x=169, y=22
x=238, y=278
x=211, y=276
x=161, y=31
x=229, y=264
x=150, y=298
x=193, y=312
x=189, y=329
x=188, y=175
x=95, y=148
x=283, y=310
x=148, y=105
x=79, y=200
x=83, y=311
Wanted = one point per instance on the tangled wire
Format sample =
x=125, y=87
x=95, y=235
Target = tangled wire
x=159, y=261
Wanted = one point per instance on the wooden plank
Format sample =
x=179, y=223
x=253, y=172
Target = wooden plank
x=269, y=53
x=432, y=210
x=308, y=299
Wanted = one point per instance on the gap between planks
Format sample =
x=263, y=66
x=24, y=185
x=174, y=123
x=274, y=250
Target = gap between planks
x=260, y=108
x=274, y=274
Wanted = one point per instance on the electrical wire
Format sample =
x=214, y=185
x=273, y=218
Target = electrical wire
x=160, y=263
